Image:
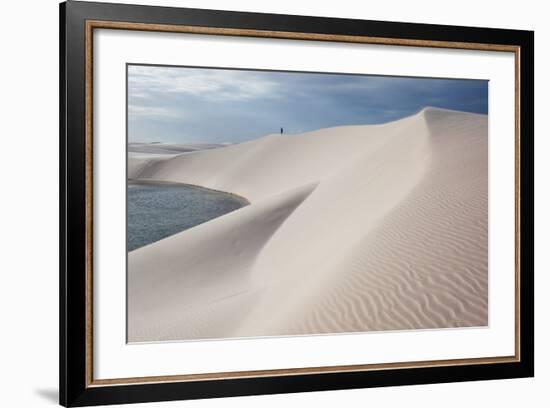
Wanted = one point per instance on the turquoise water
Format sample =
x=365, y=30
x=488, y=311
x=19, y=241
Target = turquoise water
x=156, y=211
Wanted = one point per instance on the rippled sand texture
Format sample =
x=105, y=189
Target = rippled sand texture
x=356, y=228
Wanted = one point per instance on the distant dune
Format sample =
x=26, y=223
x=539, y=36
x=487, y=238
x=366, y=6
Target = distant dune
x=163, y=148
x=354, y=228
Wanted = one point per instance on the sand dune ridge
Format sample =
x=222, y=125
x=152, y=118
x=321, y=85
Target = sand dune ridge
x=354, y=228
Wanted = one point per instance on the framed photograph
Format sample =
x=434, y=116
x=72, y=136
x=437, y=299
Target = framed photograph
x=256, y=203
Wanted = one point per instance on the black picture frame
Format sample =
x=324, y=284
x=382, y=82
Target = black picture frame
x=76, y=386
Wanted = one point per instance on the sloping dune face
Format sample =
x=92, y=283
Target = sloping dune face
x=357, y=228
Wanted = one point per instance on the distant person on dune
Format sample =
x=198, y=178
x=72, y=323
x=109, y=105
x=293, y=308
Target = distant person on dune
x=281, y=131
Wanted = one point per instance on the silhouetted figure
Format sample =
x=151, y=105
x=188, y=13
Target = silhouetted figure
x=281, y=131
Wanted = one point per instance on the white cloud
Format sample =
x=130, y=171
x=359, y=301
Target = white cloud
x=220, y=84
x=137, y=111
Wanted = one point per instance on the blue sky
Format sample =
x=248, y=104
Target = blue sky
x=186, y=105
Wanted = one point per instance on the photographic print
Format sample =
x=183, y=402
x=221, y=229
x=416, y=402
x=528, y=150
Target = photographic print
x=271, y=203
x=259, y=203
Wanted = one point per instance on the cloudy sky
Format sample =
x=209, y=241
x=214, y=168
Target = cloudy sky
x=185, y=105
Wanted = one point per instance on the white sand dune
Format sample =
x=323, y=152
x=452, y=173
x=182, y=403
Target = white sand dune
x=140, y=155
x=356, y=228
x=163, y=148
